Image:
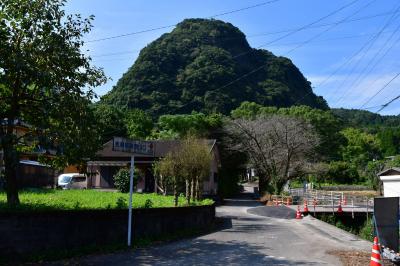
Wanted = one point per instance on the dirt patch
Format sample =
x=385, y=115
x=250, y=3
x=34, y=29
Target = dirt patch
x=365, y=193
x=355, y=257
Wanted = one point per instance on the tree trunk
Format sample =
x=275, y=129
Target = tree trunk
x=11, y=160
x=198, y=193
x=278, y=186
x=262, y=184
x=187, y=191
x=155, y=185
x=192, y=184
x=175, y=195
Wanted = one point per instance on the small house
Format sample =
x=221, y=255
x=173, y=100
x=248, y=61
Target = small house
x=108, y=161
x=391, y=182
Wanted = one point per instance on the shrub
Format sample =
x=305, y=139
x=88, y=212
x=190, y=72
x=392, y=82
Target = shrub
x=148, y=203
x=342, y=173
x=367, y=231
x=121, y=203
x=121, y=180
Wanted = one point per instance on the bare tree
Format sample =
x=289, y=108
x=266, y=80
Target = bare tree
x=186, y=166
x=196, y=162
x=277, y=146
x=168, y=169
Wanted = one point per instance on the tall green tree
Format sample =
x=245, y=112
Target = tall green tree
x=42, y=76
x=390, y=141
x=361, y=148
x=138, y=124
x=342, y=172
x=178, y=126
x=110, y=120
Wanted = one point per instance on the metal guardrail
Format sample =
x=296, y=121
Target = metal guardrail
x=328, y=198
x=317, y=199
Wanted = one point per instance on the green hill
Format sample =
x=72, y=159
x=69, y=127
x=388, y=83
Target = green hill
x=365, y=119
x=188, y=68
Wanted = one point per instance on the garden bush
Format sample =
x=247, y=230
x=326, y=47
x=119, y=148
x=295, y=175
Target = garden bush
x=121, y=180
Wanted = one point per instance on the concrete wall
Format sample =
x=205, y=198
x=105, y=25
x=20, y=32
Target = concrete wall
x=27, y=233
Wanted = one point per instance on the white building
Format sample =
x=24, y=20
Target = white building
x=391, y=182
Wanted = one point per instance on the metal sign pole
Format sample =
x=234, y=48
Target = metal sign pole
x=130, y=200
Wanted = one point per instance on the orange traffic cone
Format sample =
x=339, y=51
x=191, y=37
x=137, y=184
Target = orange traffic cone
x=305, y=207
x=340, y=210
x=298, y=213
x=375, y=254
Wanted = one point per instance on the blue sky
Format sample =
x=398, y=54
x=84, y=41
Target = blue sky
x=373, y=25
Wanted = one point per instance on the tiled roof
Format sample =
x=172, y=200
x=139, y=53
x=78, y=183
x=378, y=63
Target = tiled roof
x=390, y=170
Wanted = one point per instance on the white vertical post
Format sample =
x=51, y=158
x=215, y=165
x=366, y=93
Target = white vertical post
x=130, y=200
x=367, y=209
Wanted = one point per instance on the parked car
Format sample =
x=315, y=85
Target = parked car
x=72, y=181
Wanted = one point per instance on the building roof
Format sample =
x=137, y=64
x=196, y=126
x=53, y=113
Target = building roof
x=160, y=148
x=390, y=171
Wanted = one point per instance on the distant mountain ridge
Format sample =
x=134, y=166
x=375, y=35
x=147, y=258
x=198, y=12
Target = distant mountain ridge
x=189, y=68
x=363, y=118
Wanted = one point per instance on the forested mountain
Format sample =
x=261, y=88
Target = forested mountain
x=365, y=119
x=189, y=69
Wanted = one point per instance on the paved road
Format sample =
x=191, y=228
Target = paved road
x=252, y=236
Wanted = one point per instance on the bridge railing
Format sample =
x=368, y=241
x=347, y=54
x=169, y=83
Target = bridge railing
x=324, y=198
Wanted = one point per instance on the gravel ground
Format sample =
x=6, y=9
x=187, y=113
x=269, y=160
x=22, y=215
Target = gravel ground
x=355, y=258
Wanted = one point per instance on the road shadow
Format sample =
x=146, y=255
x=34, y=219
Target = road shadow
x=194, y=252
x=281, y=212
x=244, y=199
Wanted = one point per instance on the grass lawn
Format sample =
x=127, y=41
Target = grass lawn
x=49, y=199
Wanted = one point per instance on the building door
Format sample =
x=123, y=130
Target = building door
x=107, y=176
x=149, y=181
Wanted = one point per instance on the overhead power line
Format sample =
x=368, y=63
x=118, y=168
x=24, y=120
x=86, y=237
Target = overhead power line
x=376, y=58
x=330, y=28
x=347, y=61
x=372, y=107
x=384, y=86
x=289, y=43
x=346, y=92
x=369, y=46
x=325, y=24
x=309, y=24
x=376, y=63
x=388, y=103
x=173, y=25
x=286, y=35
x=299, y=29
x=311, y=91
x=277, y=32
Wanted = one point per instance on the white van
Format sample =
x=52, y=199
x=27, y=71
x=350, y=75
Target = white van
x=72, y=181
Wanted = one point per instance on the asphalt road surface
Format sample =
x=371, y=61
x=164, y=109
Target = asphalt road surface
x=253, y=235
